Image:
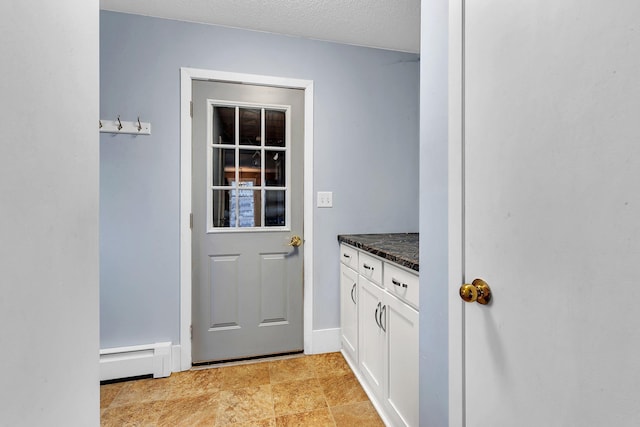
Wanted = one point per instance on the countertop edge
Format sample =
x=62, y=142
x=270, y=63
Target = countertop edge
x=382, y=253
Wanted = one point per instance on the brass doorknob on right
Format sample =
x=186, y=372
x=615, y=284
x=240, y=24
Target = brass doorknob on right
x=478, y=291
x=295, y=241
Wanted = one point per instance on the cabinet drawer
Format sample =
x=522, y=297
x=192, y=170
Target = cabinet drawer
x=370, y=267
x=402, y=283
x=349, y=256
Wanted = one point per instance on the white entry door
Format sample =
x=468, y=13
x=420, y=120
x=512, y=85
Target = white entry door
x=247, y=157
x=551, y=129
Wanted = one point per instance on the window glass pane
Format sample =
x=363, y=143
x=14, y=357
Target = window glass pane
x=255, y=155
x=274, y=208
x=249, y=206
x=224, y=125
x=274, y=173
x=274, y=128
x=250, y=166
x=223, y=161
x=220, y=208
x=250, y=125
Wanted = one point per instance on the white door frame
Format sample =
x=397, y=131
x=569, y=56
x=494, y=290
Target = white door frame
x=457, y=404
x=187, y=75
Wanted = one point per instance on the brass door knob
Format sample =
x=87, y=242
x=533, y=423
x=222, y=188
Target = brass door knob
x=478, y=291
x=295, y=241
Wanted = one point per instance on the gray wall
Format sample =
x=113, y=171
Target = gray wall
x=434, y=367
x=49, y=213
x=366, y=152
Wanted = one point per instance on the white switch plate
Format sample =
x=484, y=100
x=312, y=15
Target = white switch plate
x=325, y=199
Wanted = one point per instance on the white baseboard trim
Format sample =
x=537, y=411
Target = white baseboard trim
x=133, y=361
x=325, y=341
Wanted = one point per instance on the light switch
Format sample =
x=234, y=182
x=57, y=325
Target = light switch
x=325, y=199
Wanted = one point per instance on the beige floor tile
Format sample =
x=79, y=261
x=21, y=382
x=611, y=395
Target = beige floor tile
x=137, y=414
x=302, y=391
x=361, y=414
x=297, y=396
x=341, y=390
x=108, y=392
x=300, y=368
x=269, y=422
x=139, y=391
x=193, y=383
x=190, y=411
x=245, y=404
x=329, y=364
x=317, y=418
x=243, y=376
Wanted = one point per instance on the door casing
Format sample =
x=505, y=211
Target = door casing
x=187, y=75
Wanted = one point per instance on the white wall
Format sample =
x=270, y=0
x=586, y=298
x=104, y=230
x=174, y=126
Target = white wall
x=49, y=213
x=365, y=148
x=434, y=367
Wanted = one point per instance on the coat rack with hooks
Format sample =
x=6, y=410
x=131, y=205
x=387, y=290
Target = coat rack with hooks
x=120, y=126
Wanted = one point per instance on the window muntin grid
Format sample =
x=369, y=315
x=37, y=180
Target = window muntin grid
x=248, y=167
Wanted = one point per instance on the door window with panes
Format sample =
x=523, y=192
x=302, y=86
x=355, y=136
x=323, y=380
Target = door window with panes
x=248, y=167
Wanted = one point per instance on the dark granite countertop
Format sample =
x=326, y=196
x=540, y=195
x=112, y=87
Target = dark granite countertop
x=401, y=248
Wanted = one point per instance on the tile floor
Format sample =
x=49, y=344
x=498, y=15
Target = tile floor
x=318, y=390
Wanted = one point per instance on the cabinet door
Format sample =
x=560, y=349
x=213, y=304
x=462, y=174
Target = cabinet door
x=401, y=389
x=370, y=334
x=349, y=311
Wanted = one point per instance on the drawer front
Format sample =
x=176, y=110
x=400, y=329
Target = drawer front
x=402, y=283
x=349, y=256
x=370, y=267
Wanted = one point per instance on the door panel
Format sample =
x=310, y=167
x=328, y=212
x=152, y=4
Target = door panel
x=273, y=290
x=247, y=155
x=223, y=300
x=552, y=201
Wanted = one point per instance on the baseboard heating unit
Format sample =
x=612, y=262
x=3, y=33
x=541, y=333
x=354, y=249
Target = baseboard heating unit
x=135, y=361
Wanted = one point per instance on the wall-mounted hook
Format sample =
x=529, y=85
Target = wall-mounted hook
x=100, y=122
x=136, y=127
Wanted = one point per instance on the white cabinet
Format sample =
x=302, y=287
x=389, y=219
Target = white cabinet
x=372, y=336
x=370, y=267
x=401, y=350
x=386, y=355
x=349, y=311
x=402, y=284
x=349, y=256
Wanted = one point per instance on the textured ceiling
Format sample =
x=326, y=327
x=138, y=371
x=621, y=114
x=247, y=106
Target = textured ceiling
x=387, y=24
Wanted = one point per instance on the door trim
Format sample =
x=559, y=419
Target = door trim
x=457, y=404
x=187, y=75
